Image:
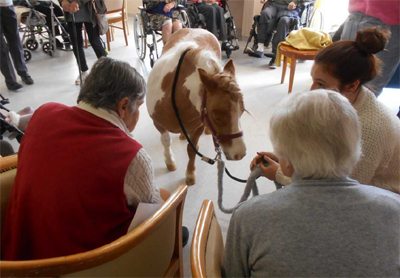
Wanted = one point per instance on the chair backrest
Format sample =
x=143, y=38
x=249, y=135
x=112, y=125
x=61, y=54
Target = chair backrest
x=154, y=248
x=114, y=5
x=8, y=171
x=206, y=253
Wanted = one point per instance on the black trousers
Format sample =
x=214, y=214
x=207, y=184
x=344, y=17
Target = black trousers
x=10, y=43
x=215, y=20
x=77, y=42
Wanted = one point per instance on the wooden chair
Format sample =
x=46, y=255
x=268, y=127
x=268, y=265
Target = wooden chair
x=116, y=13
x=289, y=52
x=154, y=248
x=206, y=253
x=8, y=170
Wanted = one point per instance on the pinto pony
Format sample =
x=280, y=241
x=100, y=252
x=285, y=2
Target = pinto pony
x=207, y=95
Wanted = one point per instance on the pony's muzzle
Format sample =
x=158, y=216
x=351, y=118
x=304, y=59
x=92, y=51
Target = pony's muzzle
x=236, y=150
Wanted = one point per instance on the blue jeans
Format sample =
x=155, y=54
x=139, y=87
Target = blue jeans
x=390, y=57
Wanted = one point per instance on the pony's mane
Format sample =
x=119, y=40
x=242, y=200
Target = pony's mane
x=228, y=82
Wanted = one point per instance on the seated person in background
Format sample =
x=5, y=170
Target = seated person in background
x=215, y=20
x=325, y=224
x=345, y=66
x=276, y=14
x=80, y=173
x=164, y=16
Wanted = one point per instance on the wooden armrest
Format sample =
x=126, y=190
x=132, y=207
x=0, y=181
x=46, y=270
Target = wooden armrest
x=8, y=162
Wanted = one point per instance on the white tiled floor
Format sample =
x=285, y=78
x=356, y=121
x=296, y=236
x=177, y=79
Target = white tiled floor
x=54, y=81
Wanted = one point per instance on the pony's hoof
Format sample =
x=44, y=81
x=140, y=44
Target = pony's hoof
x=207, y=131
x=190, y=180
x=182, y=136
x=171, y=167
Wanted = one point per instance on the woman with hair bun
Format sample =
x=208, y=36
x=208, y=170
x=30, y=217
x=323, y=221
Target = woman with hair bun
x=345, y=66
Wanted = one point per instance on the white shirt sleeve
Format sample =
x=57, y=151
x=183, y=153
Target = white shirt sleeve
x=138, y=183
x=281, y=178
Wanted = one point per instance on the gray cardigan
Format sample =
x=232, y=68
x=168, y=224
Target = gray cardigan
x=316, y=228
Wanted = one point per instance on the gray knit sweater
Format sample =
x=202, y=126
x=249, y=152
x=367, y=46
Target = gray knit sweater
x=316, y=228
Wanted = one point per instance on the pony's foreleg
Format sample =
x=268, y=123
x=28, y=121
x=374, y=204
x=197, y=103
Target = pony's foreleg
x=190, y=170
x=168, y=155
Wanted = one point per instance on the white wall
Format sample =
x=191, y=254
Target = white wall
x=133, y=6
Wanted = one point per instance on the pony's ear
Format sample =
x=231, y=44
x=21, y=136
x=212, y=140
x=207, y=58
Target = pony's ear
x=229, y=67
x=206, y=79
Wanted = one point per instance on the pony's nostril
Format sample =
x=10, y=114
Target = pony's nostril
x=239, y=156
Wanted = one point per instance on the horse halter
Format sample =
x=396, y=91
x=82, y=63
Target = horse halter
x=217, y=138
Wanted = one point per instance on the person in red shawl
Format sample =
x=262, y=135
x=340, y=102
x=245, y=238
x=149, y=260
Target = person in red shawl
x=81, y=174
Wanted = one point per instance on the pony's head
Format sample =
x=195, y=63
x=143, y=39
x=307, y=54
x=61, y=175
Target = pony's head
x=222, y=108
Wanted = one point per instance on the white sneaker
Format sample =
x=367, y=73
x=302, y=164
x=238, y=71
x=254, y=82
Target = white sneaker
x=78, y=79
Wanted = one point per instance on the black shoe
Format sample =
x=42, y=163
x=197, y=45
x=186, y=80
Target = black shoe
x=14, y=86
x=59, y=44
x=269, y=55
x=227, y=46
x=27, y=79
x=271, y=63
x=255, y=53
x=68, y=46
x=185, y=236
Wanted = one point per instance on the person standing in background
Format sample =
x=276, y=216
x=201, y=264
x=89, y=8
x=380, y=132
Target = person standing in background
x=79, y=13
x=10, y=43
x=384, y=14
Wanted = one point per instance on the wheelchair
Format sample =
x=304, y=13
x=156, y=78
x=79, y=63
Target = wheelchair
x=197, y=20
x=35, y=30
x=146, y=37
x=304, y=20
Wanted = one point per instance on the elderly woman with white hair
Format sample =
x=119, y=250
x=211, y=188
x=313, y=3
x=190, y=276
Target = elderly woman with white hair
x=324, y=224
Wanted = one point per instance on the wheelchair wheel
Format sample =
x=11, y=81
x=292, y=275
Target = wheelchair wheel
x=48, y=48
x=184, y=18
x=232, y=34
x=27, y=55
x=153, y=47
x=140, y=37
x=31, y=44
